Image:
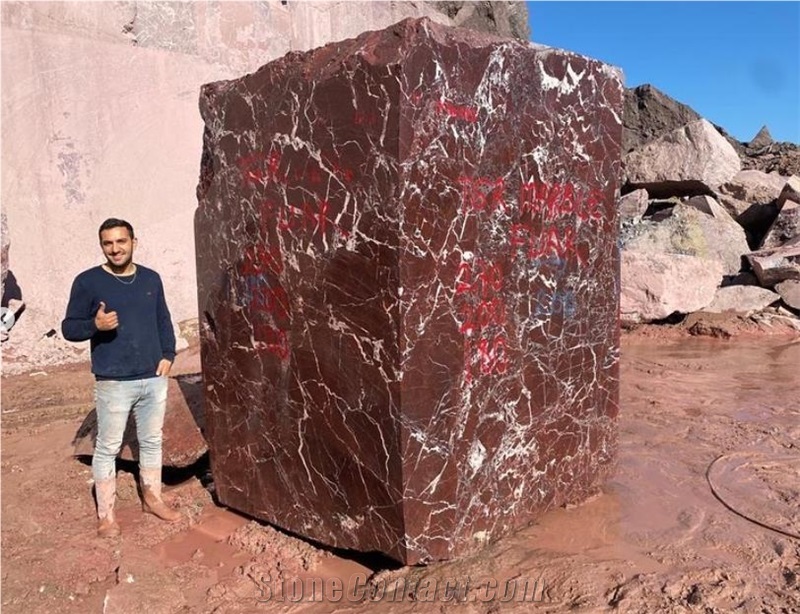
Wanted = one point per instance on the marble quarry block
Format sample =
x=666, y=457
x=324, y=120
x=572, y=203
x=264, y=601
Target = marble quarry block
x=408, y=287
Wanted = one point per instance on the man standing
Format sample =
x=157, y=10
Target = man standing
x=120, y=307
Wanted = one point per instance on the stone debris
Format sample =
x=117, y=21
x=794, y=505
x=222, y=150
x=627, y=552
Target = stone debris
x=755, y=211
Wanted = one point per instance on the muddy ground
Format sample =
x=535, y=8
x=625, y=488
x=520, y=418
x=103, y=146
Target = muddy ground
x=696, y=413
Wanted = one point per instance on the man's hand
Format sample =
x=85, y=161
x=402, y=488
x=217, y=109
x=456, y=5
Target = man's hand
x=164, y=366
x=103, y=320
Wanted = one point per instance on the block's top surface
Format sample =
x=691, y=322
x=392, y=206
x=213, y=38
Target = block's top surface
x=384, y=47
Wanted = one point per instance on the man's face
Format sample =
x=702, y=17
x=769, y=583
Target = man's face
x=117, y=246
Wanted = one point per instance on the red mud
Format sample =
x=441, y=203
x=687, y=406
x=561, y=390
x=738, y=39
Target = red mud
x=655, y=540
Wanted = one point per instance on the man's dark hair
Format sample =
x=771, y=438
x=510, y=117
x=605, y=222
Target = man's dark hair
x=113, y=222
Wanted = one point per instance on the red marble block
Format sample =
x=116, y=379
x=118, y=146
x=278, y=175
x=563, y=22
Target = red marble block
x=408, y=287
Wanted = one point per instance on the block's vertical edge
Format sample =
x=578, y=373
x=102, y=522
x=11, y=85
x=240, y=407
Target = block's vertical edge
x=373, y=74
x=405, y=139
x=426, y=450
x=206, y=190
x=440, y=94
x=616, y=105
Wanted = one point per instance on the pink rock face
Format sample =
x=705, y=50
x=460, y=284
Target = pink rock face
x=691, y=160
x=658, y=285
x=408, y=277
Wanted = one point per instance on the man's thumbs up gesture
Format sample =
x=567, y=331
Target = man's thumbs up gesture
x=103, y=320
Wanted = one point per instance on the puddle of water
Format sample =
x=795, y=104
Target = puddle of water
x=678, y=405
x=209, y=536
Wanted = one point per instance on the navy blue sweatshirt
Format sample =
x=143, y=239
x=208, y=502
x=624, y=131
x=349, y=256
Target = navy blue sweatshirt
x=144, y=332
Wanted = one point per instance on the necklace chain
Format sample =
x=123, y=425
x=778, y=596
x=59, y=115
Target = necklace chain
x=126, y=283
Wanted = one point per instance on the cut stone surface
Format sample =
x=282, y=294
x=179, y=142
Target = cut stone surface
x=689, y=230
x=689, y=161
x=655, y=286
x=633, y=205
x=408, y=281
x=775, y=265
x=790, y=292
x=741, y=299
x=785, y=227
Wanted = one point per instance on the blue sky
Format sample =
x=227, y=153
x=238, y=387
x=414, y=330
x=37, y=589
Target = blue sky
x=736, y=63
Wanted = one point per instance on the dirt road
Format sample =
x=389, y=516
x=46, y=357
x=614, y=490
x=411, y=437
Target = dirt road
x=655, y=540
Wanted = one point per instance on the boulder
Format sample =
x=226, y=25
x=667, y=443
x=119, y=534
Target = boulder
x=754, y=219
x=775, y=265
x=785, y=227
x=754, y=187
x=702, y=228
x=789, y=291
x=655, y=286
x=694, y=159
x=741, y=299
x=760, y=219
x=751, y=197
x=632, y=206
x=734, y=206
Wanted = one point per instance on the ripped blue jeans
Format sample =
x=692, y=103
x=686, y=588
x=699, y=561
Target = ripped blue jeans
x=115, y=400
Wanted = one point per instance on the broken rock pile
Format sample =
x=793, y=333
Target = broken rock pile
x=699, y=233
